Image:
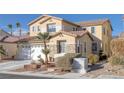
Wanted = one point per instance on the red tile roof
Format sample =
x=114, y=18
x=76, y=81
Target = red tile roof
x=75, y=33
x=93, y=22
x=12, y=39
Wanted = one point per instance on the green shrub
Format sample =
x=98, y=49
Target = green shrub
x=63, y=63
x=93, y=59
x=71, y=56
x=116, y=60
x=102, y=56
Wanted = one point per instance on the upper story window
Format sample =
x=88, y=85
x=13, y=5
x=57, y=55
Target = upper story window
x=38, y=28
x=75, y=29
x=103, y=30
x=93, y=30
x=84, y=28
x=33, y=28
x=51, y=27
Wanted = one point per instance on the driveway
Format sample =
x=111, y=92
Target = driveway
x=13, y=64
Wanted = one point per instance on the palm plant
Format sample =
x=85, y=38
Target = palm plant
x=10, y=26
x=18, y=25
x=2, y=52
x=44, y=37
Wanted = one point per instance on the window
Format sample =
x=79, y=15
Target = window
x=51, y=27
x=94, y=46
x=61, y=46
x=93, y=30
x=103, y=30
x=85, y=49
x=33, y=28
x=78, y=46
x=38, y=28
x=74, y=29
x=84, y=28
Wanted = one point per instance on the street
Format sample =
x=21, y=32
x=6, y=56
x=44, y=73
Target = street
x=11, y=76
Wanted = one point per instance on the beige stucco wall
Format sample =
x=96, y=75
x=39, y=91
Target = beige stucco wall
x=10, y=48
x=43, y=26
x=71, y=44
x=42, y=23
x=67, y=26
x=97, y=37
x=70, y=41
x=106, y=39
x=85, y=39
x=103, y=40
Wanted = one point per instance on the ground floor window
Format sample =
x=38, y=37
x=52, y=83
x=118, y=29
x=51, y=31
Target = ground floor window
x=94, y=46
x=61, y=46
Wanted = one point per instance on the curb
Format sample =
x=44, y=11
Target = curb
x=33, y=75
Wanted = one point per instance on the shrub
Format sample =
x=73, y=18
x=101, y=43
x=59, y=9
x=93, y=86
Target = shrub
x=93, y=59
x=71, y=56
x=63, y=63
x=41, y=60
x=78, y=55
x=116, y=60
x=117, y=46
x=102, y=56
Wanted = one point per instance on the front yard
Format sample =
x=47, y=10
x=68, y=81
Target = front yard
x=97, y=70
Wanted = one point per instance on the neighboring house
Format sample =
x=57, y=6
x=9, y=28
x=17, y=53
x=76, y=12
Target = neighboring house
x=66, y=37
x=9, y=44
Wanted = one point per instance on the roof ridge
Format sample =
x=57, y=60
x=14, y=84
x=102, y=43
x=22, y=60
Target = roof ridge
x=104, y=19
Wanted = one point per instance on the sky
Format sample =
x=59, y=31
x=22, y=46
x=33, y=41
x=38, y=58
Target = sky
x=24, y=19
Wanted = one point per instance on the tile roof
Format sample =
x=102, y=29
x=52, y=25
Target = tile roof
x=58, y=18
x=74, y=33
x=11, y=39
x=93, y=22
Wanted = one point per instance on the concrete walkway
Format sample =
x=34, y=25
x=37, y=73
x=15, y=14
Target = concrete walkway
x=13, y=64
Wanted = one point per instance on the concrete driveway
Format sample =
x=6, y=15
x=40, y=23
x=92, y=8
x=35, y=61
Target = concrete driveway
x=13, y=64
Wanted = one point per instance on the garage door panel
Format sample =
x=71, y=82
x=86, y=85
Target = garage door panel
x=36, y=52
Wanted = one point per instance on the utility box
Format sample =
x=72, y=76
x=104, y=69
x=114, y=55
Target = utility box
x=80, y=65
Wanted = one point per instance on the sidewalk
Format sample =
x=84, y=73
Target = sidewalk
x=65, y=76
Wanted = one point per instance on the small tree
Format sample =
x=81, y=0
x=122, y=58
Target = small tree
x=10, y=26
x=2, y=52
x=44, y=37
x=18, y=25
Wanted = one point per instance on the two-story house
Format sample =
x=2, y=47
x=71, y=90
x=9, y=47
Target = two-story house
x=66, y=37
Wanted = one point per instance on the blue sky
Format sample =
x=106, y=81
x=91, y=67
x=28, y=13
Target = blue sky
x=116, y=19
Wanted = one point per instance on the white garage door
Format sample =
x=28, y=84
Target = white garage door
x=36, y=51
x=25, y=52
